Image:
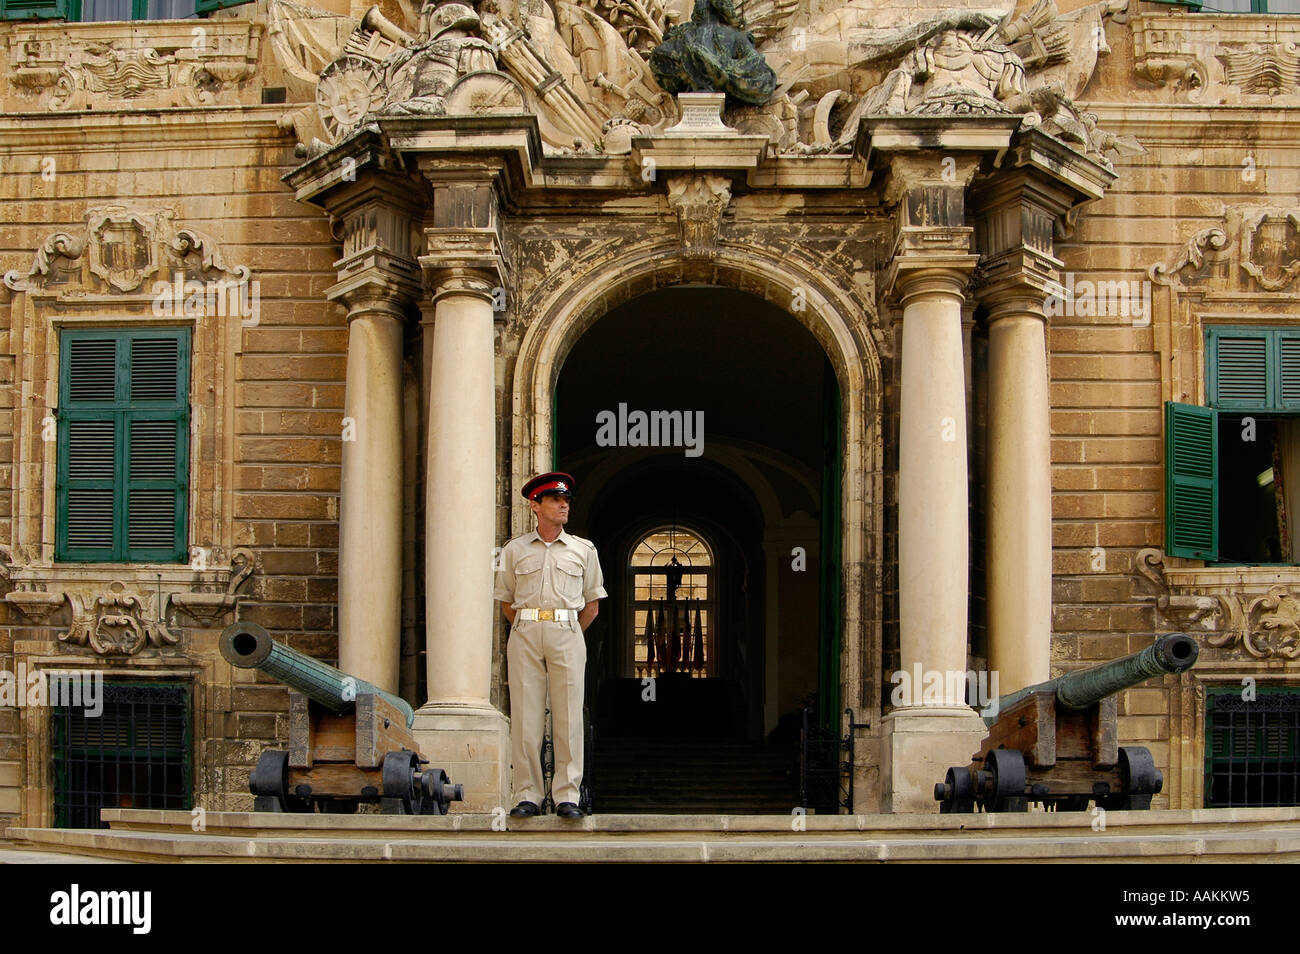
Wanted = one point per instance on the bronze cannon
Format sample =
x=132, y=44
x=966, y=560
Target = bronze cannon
x=349, y=741
x=1057, y=742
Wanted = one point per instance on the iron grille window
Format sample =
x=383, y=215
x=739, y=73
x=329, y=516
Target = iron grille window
x=1252, y=748
x=134, y=754
x=123, y=450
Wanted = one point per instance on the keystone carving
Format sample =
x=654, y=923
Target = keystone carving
x=700, y=202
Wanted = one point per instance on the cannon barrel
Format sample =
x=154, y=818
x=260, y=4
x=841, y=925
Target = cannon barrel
x=1172, y=652
x=249, y=646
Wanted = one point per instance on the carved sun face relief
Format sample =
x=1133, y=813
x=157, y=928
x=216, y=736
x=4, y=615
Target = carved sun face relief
x=349, y=88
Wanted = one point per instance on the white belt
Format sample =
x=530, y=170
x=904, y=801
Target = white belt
x=547, y=615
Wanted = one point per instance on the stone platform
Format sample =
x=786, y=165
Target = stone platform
x=1204, y=835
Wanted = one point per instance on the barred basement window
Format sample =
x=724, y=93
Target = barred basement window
x=134, y=754
x=1252, y=748
x=123, y=446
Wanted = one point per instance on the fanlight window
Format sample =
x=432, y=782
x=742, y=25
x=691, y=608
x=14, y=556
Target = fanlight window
x=672, y=607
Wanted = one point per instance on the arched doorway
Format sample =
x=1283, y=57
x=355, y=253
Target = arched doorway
x=706, y=408
x=837, y=308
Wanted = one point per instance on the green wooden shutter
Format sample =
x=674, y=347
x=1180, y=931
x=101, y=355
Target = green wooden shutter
x=123, y=449
x=34, y=9
x=1191, y=481
x=1288, y=371
x=157, y=435
x=87, y=448
x=1239, y=366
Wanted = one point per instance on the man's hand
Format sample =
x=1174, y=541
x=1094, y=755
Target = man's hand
x=588, y=613
x=509, y=611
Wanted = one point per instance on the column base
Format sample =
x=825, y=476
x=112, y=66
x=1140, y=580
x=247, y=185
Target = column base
x=918, y=746
x=472, y=744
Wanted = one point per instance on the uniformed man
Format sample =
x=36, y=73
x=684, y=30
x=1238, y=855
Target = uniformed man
x=548, y=584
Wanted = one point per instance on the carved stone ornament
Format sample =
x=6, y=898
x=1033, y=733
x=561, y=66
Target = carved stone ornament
x=1217, y=58
x=118, y=251
x=116, y=623
x=967, y=63
x=445, y=71
x=144, y=64
x=580, y=67
x=1205, y=246
x=123, y=248
x=1270, y=247
x=117, y=619
x=700, y=202
x=1266, y=625
x=210, y=607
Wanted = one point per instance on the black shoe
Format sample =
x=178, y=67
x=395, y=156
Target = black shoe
x=568, y=810
x=525, y=810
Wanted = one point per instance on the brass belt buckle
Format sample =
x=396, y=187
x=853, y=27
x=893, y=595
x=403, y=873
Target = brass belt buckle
x=546, y=615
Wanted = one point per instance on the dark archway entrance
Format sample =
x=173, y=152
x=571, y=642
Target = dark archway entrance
x=750, y=482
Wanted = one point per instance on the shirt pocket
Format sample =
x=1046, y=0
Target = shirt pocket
x=568, y=578
x=528, y=579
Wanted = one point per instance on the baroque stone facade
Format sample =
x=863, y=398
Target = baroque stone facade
x=1003, y=231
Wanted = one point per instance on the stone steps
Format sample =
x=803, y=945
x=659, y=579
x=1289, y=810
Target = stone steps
x=693, y=776
x=1226, y=835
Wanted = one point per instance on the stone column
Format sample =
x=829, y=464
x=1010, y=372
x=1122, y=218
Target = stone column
x=933, y=727
x=370, y=508
x=460, y=494
x=1016, y=218
x=933, y=530
x=464, y=271
x=1019, y=528
x=378, y=281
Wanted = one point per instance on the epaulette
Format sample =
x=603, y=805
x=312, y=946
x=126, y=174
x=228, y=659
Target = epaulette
x=582, y=540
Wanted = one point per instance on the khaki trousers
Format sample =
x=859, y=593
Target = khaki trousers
x=546, y=656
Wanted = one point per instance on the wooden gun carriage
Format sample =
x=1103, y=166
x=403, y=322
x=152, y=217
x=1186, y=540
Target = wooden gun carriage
x=349, y=741
x=1057, y=742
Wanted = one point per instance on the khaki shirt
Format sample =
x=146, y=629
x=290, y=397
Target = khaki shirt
x=565, y=575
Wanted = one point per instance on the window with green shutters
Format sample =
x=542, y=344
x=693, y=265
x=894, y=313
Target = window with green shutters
x=123, y=445
x=1232, y=470
x=1191, y=485
x=108, y=11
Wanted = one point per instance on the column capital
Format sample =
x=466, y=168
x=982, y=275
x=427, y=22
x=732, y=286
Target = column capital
x=930, y=260
x=932, y=242
x=464, y=282
x=375, y=292
x=465, y=256
x=464, y=245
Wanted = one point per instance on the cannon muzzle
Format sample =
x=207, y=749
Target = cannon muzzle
x=1171, y=653
x=249, y=646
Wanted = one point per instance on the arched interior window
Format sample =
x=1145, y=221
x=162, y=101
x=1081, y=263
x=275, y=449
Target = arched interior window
x=672, y=608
